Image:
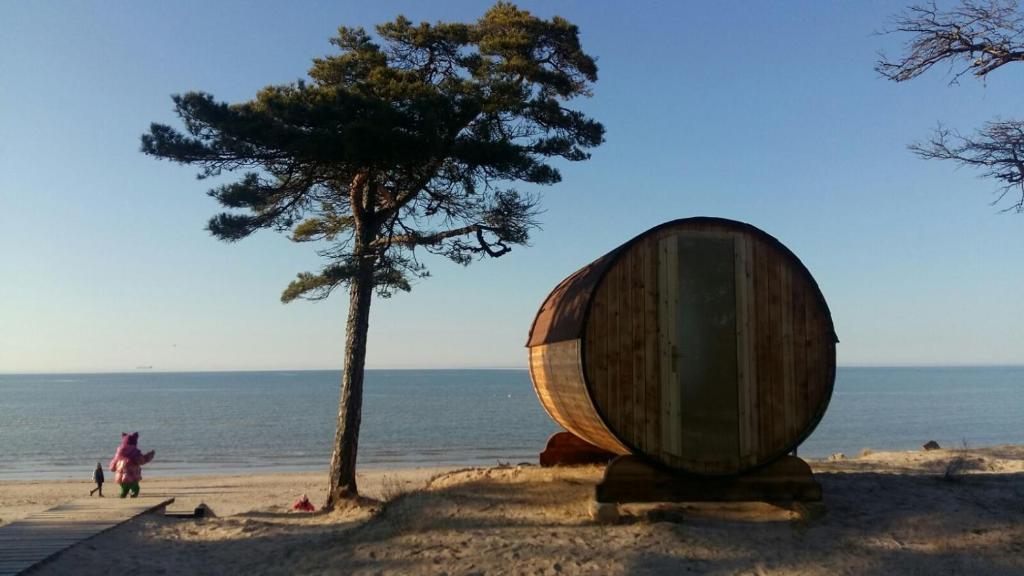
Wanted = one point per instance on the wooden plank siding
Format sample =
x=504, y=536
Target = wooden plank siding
x=801, y=381
x=623, y=339
x=597, y=349
x=652, y=355
x=746, y=353
x=557, y=374
x=762, y=335
x=610, y=285
x=668, y=304
x=775, y=399
x=620, y=385
x=637, y=384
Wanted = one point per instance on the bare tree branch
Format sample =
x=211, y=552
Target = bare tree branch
x=977, y=37
x=997, y=150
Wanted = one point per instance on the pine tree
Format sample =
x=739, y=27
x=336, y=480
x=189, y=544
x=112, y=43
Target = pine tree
x=410, y=140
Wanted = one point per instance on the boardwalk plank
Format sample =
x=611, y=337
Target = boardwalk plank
x=25, y=543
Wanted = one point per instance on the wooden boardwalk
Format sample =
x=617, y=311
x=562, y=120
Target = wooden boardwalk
x=29, y=541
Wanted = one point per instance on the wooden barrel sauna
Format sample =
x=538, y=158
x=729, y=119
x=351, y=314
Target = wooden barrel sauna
x=703, y=345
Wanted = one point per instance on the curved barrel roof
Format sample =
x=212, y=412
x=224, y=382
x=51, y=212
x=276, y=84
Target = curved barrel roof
x=564, y=313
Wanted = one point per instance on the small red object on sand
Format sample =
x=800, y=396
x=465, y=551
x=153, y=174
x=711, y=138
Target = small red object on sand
x=304, y=505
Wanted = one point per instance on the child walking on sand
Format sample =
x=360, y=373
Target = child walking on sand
x=97, y=477
x=127, y=463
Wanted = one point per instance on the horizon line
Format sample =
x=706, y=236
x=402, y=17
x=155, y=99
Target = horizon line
x=437, y=368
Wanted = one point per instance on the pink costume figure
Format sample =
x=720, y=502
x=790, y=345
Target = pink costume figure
x=127, y=464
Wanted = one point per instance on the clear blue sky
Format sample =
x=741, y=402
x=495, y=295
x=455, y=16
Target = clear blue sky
x=768, y=113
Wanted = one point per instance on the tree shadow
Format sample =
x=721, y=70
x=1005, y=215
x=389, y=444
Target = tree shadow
x=876, y=524
x=538, y=522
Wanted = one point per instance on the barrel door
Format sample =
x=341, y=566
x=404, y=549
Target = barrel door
x=699, y=328
x=703, y=344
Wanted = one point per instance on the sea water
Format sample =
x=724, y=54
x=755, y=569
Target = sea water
x=60, y=425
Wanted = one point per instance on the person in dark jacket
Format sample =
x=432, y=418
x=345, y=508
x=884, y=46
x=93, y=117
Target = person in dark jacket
x=97, y=477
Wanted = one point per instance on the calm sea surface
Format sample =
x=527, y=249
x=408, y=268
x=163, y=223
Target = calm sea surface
x=59, y=425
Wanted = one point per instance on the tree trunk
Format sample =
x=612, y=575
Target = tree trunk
x=350, y=406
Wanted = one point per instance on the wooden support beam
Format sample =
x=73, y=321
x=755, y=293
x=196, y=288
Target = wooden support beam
x=632, y=479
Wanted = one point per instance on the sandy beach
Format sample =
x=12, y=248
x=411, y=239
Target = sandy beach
x=883, y=513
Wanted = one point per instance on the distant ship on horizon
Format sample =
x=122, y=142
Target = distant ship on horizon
x=143, y=367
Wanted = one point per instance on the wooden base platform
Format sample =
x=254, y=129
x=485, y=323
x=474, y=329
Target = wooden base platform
x=631, y=479
x=28, y=542
x=567, y=449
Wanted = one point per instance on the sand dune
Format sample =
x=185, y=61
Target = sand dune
x=883, y=513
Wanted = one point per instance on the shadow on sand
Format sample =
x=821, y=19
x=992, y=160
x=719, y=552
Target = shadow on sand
x=537, y=521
